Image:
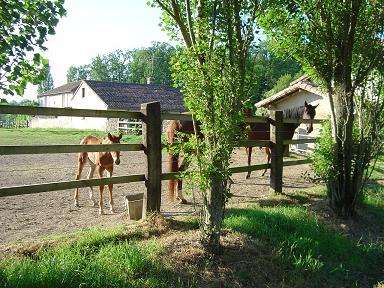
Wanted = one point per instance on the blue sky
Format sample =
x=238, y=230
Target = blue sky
x=94, y=27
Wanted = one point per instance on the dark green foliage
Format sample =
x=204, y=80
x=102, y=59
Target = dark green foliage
x=264, y=69
x=76, y=73
x=47, y=83
x=129, y=66
x=283, y=82
x=25, y=24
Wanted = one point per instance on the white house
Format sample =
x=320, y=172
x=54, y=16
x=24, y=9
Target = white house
x=103, y=95
x=299, y=91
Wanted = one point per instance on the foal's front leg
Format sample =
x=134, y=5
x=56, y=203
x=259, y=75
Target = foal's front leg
x=110, y=186
x=101, y=189
x=80, y=165
x=90, y=176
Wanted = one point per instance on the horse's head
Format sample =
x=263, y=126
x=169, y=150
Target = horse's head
x=111, y=139
x=309, y=113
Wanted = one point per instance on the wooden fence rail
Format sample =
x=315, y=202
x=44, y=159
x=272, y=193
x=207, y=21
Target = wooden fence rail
x=151, y=118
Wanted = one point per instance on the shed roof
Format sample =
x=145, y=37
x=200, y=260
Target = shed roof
x=302, y=83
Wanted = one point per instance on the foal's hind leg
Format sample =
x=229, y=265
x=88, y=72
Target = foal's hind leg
x=90, y=176
x=80, y=165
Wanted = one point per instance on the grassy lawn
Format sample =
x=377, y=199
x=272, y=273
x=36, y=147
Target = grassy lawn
x=36, y=136
x=99, y=258
x=313, y=254
x=306, y=251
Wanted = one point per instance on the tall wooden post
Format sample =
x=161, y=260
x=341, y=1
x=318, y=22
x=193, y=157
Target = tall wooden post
x=152, y=148
x=276, y=137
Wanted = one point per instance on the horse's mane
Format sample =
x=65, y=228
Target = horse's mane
x=295, y=112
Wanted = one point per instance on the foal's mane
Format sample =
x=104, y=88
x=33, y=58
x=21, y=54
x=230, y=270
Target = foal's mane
x=295, y=112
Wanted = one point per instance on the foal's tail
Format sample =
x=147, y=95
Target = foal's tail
x=173, y=166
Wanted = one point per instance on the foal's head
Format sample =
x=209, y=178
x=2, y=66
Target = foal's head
x=309, y=113
x=111, y=139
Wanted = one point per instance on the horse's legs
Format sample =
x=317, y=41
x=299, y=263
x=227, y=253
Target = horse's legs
x=90, y=176
x=173, y=164
x=180, y=196
x=268, y=155
x=249, y=154
x=101, y=189
x=80, y=165
x=110, y=187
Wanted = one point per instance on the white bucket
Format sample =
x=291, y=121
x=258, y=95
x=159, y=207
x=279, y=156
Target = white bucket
x=134, y=205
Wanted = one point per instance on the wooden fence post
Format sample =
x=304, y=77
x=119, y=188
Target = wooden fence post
x=276, y=137
x=151, y=132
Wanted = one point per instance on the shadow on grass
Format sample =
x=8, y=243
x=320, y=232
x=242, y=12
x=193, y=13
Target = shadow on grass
x=315, y=255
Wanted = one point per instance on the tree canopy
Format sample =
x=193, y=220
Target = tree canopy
x=130, y=66
x=24, y=27
x=340, y=43
x=264, y=69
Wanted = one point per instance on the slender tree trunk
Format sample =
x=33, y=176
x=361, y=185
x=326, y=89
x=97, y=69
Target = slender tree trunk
x=212, y=215
x=341, y=192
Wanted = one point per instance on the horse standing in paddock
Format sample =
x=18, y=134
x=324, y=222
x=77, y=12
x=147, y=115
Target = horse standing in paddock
x=100, y=160
x=261, y=131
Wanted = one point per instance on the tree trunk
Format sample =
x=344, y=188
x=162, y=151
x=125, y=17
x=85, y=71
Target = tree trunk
x=341, y=192
x=212, y=215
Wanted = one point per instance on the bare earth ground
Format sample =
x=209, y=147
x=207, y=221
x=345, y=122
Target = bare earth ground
x=37, y=215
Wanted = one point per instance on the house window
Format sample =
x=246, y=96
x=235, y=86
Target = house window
x=83, y=92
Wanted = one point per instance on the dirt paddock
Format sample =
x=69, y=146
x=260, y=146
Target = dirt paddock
x=36, y=215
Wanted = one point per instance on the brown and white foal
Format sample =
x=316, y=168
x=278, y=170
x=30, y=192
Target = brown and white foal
x=100, y=160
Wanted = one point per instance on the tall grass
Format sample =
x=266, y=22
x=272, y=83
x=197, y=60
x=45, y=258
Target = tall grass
x=313, y=254
x=100, y=258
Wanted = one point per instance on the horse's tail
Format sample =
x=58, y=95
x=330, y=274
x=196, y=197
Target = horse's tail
x=173, y=166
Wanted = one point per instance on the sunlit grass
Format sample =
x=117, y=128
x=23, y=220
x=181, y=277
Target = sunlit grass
x=35, y=136
x=312, y=252
x=98, y=258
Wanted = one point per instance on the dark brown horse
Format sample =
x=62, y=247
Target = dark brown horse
x=261, y=131
x=257, y=131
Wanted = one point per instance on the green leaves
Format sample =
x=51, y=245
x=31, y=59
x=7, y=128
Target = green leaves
x=131, y=66
x=24, y=27
x=211, y=74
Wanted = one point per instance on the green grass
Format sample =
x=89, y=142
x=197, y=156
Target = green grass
x=313, y=254
x=373, y=201
x=36, y=136
x=99, y=258
x=378, y=171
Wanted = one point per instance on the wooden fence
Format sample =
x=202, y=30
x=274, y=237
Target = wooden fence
x=152, y=118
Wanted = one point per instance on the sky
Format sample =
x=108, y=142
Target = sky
x=93, y=27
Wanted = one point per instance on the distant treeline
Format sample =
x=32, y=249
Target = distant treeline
x=153, y=64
